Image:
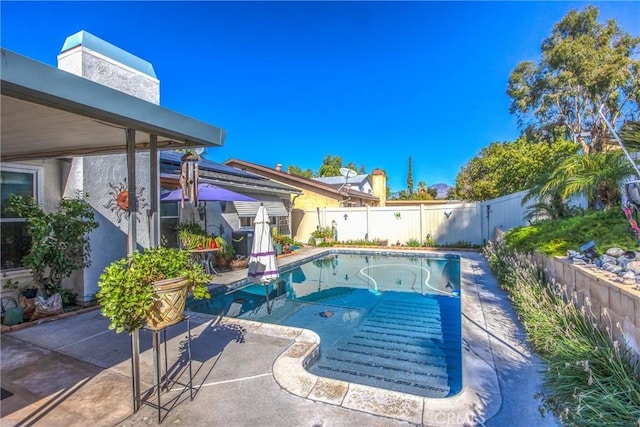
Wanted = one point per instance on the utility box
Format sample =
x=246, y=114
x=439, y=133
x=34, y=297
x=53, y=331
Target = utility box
x=242, y=241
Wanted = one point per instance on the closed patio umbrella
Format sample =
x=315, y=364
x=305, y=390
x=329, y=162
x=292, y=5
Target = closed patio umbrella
x=263, y=268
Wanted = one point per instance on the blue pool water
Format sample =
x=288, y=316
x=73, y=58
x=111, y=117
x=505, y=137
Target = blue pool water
x=392, y=322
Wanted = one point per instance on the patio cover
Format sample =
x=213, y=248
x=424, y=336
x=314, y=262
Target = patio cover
x=47, y=113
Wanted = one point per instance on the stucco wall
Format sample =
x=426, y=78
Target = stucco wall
x=104, y=177
x=310, y=200
x=103, y=70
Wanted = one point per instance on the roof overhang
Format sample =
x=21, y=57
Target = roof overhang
x=48, y=113
x=173, y=181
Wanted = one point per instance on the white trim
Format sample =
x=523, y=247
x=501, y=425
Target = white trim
x=250, y=209
x=38, y=173
x=112, y=61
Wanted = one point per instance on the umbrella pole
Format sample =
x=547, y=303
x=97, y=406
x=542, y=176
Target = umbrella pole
x=266, y=292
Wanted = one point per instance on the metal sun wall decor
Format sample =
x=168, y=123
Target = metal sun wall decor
x=189, y=174
x=119, y=201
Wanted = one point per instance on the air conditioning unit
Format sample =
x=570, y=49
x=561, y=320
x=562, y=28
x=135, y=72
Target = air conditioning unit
x=242, y=241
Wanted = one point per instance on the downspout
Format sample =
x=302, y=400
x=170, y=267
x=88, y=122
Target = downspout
x=293, y=201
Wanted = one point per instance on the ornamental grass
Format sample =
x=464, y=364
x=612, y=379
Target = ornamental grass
x=591, y=379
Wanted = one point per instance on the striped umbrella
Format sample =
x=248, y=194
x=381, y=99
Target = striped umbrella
x=263, y=268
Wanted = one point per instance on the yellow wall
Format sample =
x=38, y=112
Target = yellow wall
x=310, y=200
x=379, y=185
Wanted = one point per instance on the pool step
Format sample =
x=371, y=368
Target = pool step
x=399, y=346
x=422, y=382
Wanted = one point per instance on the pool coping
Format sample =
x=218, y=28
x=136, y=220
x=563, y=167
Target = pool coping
x=480, y=396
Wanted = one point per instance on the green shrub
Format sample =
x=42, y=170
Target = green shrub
x=555, y=237
x=413, y=243
x=592, y=379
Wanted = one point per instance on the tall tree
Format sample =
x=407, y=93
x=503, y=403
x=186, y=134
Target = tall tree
x=507, y=167
x=585, y=66
x=361, y=170
x=410, y=179
x=296, y=170
x=330, y=166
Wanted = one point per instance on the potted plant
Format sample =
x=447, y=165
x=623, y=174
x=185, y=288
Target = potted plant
x=277, y=241
x=192, y=236
x=60, y=245
x=225, y=252
x=322, y=234
x=131, y=288
x=283, y=243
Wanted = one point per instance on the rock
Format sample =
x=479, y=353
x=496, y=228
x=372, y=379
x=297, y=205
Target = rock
x=623, y=261
x=612, y=268
x=628, y=275
x=634, y=266
x=614, y=252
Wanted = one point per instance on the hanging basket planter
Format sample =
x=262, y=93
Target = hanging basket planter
x=170, y=297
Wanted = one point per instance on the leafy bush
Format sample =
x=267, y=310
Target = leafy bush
x=322, y=232
x=60, y=241
x=592, y=378
x=554, y=237
x=413, y=243
x=126, y=286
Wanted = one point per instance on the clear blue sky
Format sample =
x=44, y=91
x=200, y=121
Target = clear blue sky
x=372, y=82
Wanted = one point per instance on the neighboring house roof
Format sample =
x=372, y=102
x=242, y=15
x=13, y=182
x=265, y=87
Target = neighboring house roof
x=339, y=180
x=357, y=181
x=49, y=113
x=300, y=181
x=223, y=175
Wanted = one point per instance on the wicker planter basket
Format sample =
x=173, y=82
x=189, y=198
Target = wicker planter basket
x=170, y=297
x=238, y=263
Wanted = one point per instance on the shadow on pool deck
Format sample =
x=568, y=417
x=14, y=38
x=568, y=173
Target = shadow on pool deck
x=76, y=372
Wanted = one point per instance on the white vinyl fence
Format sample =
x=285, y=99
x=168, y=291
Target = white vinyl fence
x=446, y=223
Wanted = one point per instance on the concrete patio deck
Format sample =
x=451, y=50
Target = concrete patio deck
x=76, y=372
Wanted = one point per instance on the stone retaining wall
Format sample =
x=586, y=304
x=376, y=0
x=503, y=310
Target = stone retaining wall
x=614, y=303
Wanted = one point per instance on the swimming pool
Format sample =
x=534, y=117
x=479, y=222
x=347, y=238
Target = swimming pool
x=387, y=321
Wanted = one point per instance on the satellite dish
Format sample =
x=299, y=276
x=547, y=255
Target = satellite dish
x=348, y=173
x=199, y=150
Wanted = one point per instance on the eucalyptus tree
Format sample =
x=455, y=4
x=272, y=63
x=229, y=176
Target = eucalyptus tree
x=585, y=67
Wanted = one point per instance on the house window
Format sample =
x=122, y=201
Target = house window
x=16, y=243
x=169, y=220
x=247, y=221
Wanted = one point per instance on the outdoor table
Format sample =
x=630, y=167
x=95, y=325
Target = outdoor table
x=204, y=257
